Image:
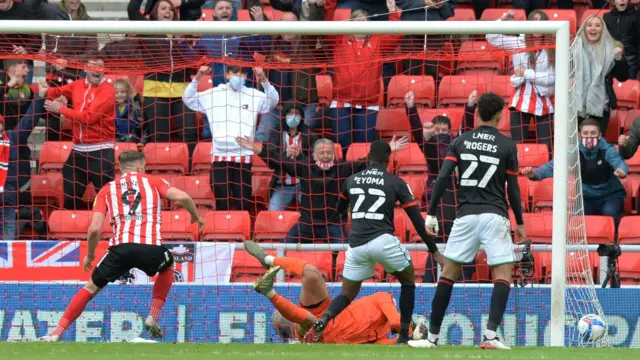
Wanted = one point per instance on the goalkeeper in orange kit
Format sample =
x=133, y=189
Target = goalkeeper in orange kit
x=367, y=320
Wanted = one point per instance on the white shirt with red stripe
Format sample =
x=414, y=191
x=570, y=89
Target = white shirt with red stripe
x=289, y=140
x=133, y=203
x=535, y=89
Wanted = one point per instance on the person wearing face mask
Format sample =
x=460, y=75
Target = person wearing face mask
x=232, y=111
x=434, y=137
x=599, y=59
x=292, y=136
x=321, y=178
x=601, y=167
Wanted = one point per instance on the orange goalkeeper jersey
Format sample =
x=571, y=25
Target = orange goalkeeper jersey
x=367, y=320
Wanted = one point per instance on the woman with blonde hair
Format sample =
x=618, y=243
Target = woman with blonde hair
x=128, y=113
x=599, y=58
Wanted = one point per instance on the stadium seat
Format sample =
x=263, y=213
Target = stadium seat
x=627, y=93
x=378, y=272
x=589, y=12
x=628, y=200
x=360, y=150
x=413, y=234
x=501, y=85
x=533, y=155
x=205, y=83
x=563, y=15
x=400, y=224
x=324, y=84
x=69, y=225
x=600, y=229
x=504, y=126
x=258, y=165
x=629, y=269
x=47, y=189
x=201, y=160
x=479, y=58
x=615, y=123
x=417, y=182
x=53, y=155
x=227, y=226
x=630, y=117
x=543, y=196
x=538, y=226
x=483, y=271
x=320, y=259
x=198, y=187
x=523, y=183
x=246, y=268
x=455, y=114
x=207, y=15
x=454, y=90
x=274, y=225
x=634, y=163
x=337, y=151
x=409, y=159
x=419, y=260
x=176, y=226
x=446, y=64
x=260, y=186
x=463, y=14
x=167, y=158
x=342, y=15
x=244, y=15
x=577, y=266
x=628, y=230
x=495, y=14
x=423, y=87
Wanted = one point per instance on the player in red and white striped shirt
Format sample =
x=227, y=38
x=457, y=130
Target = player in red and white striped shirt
x=134, y=205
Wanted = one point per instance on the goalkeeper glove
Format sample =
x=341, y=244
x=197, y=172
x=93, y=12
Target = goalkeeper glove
x=431, y=222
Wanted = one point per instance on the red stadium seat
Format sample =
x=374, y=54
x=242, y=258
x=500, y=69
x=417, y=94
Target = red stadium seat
x=378, y=271
x=53, y=155
x=274, y=225
x=201, y=161
x=501, y=85
x=337, y=151
x=523, y=183
x=69, y=225
x=600, y=229
x=357, y=151
x=479, y=57
x=413, y=234
x=563, y=15
x=409, y=159
x=580, y=264
x=246, y=268
x=628, y=230
x=417, y=182
x=47, y=189
x=634, y=163
x=400, y=224
x=342, y=15
x=198, y=187
x=504, y=126
x=589, y=12
x=207, y=15
x=324, y=84
x=543, y=196
x=205, y=83
x=455, y=114
x=627, y=93
x=419, y=260
x=320, y=259
x=628, y=200
x=495, y=14
x=260, y=186
x=629, y=267
x=423, y=87
x=538, y=226
x=630, y=117
x=446, y=65
x=176, y=226
x=463, y=14
x=167, y=157
x=454, y=90
x=393, y=121
x=227, y=226
x=244, y=15
x=533, y=155
x=613, y=129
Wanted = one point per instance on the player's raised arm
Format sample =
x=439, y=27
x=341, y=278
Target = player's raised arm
x=439, y=188
x=187, y=203
x=408, y=203
x=95, y=229
x=343, y=199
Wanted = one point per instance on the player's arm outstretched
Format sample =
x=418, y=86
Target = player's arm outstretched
x=188, y=204
x=95, y=228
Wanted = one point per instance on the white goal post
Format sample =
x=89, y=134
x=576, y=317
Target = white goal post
x=562, y=88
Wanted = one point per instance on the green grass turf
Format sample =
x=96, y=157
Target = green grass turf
x=101, y=351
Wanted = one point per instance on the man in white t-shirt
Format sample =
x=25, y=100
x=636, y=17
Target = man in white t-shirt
x=232, y=110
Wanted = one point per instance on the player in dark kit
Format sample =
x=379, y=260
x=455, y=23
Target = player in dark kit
x=485, y=159
x=372, y=195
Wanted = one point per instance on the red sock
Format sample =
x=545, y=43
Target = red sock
x=291, y=266
x=160, y=291
x=75, y=308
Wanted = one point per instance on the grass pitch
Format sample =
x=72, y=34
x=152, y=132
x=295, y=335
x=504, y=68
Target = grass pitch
x=117, y=351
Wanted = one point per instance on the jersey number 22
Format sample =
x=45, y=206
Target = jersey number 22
x=371, y=212
x=473, y=165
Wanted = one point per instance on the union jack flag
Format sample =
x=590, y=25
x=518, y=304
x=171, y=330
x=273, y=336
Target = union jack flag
x=53, y=254
x=6, y=256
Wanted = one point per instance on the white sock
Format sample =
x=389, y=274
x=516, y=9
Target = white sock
x=489, y=334
x=269, y=259
x=271, y=294
x=433, y=337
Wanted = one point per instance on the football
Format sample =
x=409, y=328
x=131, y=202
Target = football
x=592, y=328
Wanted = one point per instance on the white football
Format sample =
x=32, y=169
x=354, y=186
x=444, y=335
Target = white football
x=591, y=327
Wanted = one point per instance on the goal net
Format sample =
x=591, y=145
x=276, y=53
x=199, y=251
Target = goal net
x=352, y=89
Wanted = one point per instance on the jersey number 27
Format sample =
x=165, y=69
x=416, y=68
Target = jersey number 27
x=473, y=165
x=371, y=213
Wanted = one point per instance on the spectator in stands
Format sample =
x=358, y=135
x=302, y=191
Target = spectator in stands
x=623, y=24
x=434, y=138
x=10, y=161
x=601, y=168
x=599, y=58
x=533, y=77
x=376, y=8
x=128, y=113
x=187, y=10
x=296, y=86
x=17, y=44
x=529, y=6
x=163, y=90
x=356, y=87
x=321, y=180
x=63, y=10
x=291, y=136
x=92, y=158
x=435, y=10
x=232, y=110
x=302, y=9
x=15, y=94
x=628, y=144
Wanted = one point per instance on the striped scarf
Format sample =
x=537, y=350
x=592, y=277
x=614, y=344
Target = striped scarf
x=5, y=147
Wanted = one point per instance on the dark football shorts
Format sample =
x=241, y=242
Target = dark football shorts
x=120, y=259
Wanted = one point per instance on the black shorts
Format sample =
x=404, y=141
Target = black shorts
x=121, y=258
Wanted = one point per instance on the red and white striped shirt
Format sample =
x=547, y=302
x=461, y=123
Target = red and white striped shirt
x=134, y=205
x=296, y=140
